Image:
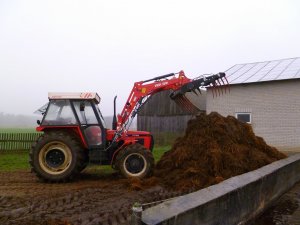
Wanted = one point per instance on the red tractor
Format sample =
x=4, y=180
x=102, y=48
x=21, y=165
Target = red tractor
x=74, y=131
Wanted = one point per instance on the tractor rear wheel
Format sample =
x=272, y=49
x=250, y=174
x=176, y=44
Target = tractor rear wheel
x=135, y=161
x=56, y=157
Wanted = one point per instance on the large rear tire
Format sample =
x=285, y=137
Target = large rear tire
x=57, y=157
x=135, y=161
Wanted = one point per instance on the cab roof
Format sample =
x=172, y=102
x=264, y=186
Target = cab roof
x=75, y=95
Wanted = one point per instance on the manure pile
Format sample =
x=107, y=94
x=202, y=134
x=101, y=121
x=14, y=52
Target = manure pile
x=214, y=148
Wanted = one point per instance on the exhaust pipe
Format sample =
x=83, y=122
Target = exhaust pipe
x=114, y=122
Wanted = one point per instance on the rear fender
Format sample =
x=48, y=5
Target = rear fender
x=70, y=129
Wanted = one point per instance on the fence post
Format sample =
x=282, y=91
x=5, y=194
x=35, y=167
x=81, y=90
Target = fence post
x=136, y=217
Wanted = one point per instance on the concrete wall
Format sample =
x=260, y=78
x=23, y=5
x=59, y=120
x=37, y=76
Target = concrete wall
x=234, y=201
x=274, y=107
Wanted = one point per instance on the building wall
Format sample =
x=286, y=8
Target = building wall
x=161, y=104
x=172, y=124
x=164, y=129
x=164, y=118
x=274, y=107
x=162, y=114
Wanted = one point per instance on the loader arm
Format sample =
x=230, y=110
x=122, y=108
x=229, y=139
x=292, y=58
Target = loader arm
x=177, y=82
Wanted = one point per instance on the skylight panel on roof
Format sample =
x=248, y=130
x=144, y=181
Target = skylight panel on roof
x=275, y=72
x=252, y=73
x=233, y=70
x=249, y=73
x=239, y=74
x=264, y=71
x=291, y=71
x=287, y=74
x=294, y=68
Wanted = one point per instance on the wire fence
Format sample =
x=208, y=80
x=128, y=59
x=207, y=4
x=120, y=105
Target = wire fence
x=17, y=141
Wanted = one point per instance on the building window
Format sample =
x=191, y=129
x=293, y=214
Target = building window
x=244, y=117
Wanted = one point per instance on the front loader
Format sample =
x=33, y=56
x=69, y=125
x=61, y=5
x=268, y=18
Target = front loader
x=74, y=131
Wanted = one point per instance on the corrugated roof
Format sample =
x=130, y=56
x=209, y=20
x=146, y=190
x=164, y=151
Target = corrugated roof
x=282, y=69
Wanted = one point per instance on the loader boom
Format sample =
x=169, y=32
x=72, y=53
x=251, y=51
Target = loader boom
x=143, y=90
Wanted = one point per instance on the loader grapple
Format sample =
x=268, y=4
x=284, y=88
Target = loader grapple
x=216, y=82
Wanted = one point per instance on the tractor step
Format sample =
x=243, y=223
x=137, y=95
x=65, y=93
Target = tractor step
x=98, y=156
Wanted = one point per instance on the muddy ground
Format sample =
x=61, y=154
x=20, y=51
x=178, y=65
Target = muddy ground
x=214, y=148
x=90, y=199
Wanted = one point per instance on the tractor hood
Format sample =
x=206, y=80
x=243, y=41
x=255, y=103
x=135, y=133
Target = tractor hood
x=137, y=133
x=110, y=133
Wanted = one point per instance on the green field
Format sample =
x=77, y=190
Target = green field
x=13, y=161
x=159, y=151
x=17, y=130
x=19, y=161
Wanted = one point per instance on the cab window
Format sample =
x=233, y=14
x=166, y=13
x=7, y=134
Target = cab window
x=59, y=113
x=85, y=112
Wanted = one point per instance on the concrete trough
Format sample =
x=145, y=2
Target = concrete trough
x=233, y=201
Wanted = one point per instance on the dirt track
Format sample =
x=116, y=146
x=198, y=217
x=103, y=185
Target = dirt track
x=90, y=199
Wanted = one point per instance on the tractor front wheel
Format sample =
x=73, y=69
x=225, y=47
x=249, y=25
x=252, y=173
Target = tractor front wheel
x=56, y=157
x=135, y=161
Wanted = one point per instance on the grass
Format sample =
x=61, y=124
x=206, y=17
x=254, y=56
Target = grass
x=19, y=161
x=159, y=151
x=13, y=161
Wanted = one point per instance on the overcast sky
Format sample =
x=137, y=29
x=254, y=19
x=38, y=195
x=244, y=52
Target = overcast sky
x=105, y=46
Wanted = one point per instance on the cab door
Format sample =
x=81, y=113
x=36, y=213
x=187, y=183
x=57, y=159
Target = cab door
x=90, y=123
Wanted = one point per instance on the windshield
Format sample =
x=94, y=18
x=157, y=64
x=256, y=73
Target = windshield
x=59, y=112
x=42, y=109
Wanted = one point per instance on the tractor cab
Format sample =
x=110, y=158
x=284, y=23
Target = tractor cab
x=78, y=111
